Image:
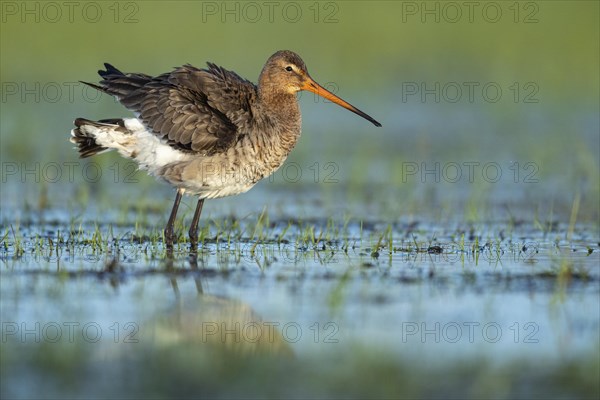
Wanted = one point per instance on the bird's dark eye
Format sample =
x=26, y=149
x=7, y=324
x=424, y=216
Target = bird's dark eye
x=289, y=68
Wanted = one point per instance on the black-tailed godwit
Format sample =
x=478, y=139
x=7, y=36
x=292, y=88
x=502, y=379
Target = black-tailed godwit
x=208, y=132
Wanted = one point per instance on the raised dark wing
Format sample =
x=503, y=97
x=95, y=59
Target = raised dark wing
x=202, y=110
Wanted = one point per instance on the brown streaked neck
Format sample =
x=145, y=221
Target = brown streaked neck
x=280, y=105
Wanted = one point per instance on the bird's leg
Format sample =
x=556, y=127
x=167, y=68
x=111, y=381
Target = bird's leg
x=169, y=228
x=194, y=227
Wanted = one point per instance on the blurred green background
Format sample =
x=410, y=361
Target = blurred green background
x=542, y=55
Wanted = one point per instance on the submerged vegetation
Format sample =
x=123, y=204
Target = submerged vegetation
x=205, y=333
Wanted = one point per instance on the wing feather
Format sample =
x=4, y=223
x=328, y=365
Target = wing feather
x=202, y=110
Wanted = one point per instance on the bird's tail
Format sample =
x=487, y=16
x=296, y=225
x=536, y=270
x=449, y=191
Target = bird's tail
x=119, y=84
x=86, y=133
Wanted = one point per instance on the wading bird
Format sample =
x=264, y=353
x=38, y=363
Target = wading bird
x=208, y=132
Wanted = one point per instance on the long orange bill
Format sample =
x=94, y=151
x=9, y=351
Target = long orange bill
x=314, y=87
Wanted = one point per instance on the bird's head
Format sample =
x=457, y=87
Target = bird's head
x=286, y=72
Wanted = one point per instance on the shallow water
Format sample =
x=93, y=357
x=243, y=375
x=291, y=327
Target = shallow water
x=419, y=292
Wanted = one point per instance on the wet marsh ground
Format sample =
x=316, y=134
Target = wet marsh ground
x=452, y=253
x=406, y=307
